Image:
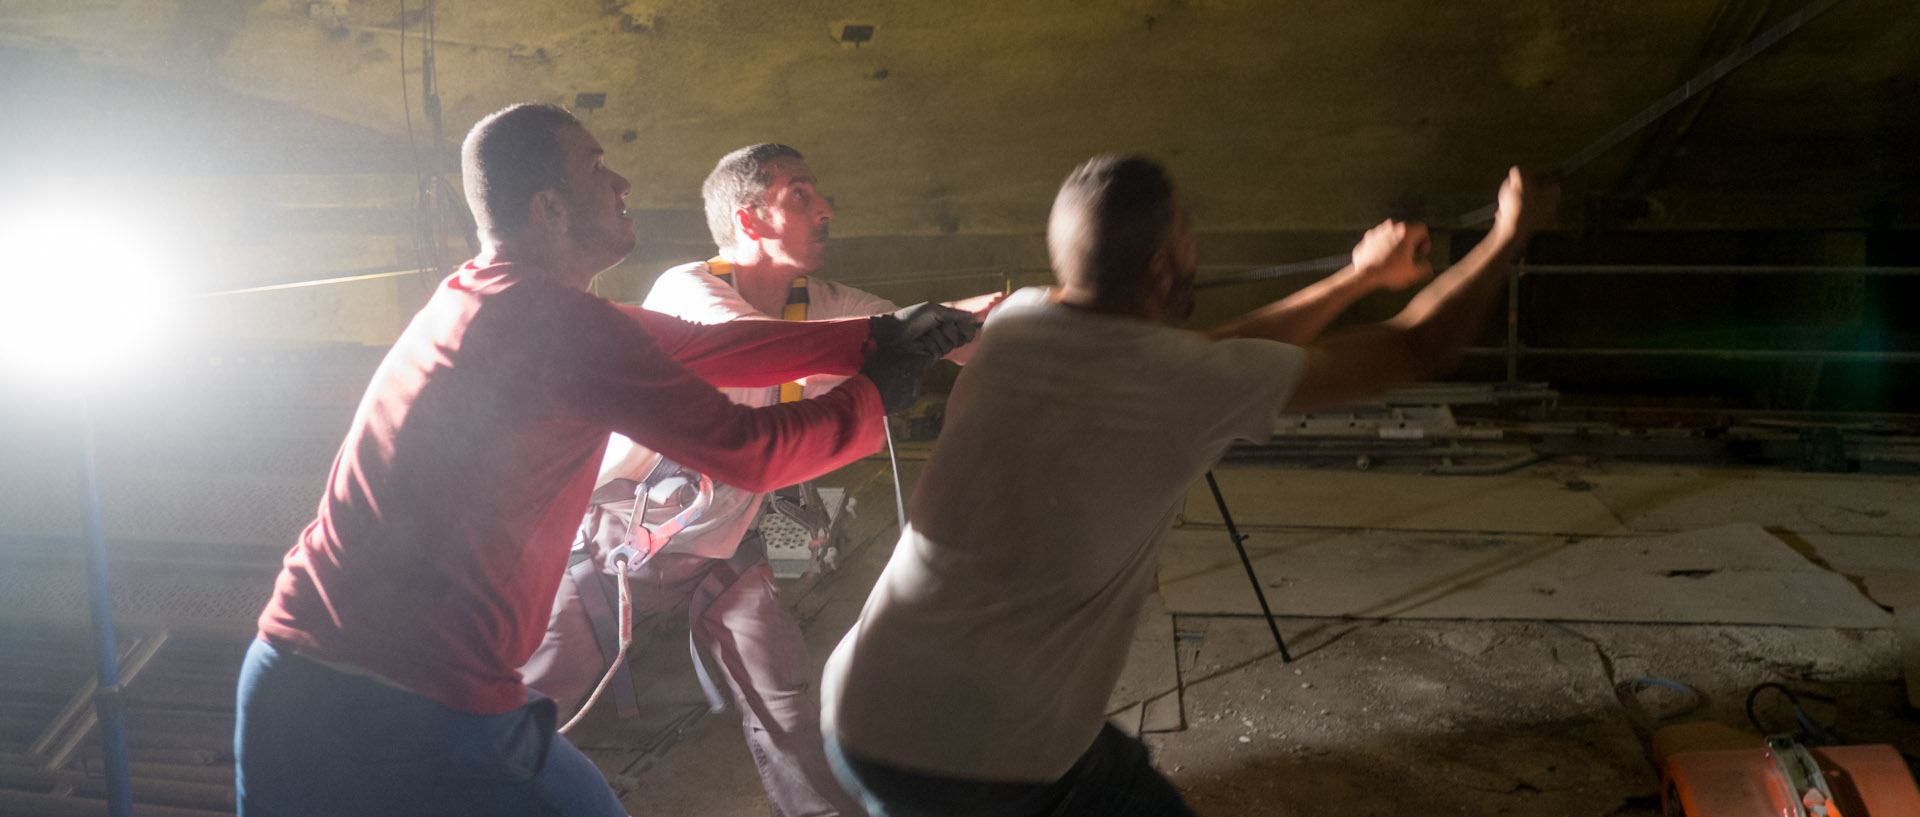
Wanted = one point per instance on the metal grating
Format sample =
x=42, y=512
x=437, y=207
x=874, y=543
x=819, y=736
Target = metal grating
x=58, y=592
x=180, y=687
x=165, y=506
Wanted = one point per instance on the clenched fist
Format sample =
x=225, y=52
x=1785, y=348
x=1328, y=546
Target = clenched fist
x=1527, y=202
x=924, y=328
x=1394, y=254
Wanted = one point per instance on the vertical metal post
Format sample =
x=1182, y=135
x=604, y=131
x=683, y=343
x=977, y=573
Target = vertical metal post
x=107, y=700
x=899, y=499
x=1513, y=324
x=1234, y=533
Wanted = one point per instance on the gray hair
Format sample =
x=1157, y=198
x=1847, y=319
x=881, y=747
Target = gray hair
x=739, y=180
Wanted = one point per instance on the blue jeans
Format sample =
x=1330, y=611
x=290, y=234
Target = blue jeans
x=1115, y=778
x=310, y=740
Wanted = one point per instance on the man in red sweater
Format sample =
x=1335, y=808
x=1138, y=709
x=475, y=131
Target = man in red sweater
x=385, y=677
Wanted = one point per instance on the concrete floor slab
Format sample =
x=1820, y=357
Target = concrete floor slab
x=1164, y=714
x=1907, y=623
x=1149, y=672
x=1887, y=568
x=1730, y=574
x=1848, y=680
x=1648, y=498
x=1528, y=501
x=1128, y=720
x=1392, y=715
x=1462, y=716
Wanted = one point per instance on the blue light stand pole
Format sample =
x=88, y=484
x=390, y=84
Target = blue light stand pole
x=107, y=700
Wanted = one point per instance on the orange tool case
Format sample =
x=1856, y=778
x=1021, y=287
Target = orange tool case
x=1714, y=771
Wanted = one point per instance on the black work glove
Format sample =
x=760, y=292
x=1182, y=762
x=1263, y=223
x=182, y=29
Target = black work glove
x=897, y=372
x=925, y=327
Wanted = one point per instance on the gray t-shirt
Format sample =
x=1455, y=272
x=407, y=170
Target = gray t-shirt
x=998, y=629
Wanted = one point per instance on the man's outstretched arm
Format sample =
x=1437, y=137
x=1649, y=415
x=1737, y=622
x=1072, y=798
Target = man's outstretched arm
x=1379, y=262
x=752, y=354
x=978, y=306
x=757, y=449
x=609, y=372
x=1427, y=337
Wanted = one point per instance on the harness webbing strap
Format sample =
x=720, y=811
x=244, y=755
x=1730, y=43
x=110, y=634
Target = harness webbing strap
x=795, y=310
x=719, y=579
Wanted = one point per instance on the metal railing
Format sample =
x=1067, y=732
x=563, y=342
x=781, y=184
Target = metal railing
x=1514, y=349
x=1011, y=276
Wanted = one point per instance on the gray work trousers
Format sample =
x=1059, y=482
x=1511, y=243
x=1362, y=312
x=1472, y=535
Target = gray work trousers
x=759, y=651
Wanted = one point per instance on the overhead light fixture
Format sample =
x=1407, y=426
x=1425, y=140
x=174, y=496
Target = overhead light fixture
x=851, y=33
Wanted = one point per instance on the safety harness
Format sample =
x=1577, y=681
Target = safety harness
x=794, y=310
x=791, y=516
x=666, y=484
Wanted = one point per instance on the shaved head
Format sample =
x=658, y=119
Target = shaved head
x=1113, y=213
x=506, y=158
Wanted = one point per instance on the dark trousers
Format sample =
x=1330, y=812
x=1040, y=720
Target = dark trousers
x=311, y=740
x=1115, y=778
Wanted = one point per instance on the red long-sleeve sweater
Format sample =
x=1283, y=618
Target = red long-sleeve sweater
x=444, y=531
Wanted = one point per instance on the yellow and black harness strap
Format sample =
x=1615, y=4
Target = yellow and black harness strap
x=795, y=310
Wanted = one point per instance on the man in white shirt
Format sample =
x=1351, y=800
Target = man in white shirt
x=770, y=224
x=975, y=680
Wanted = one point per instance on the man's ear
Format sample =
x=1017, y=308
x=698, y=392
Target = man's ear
x=1160, y=273
x=548, y=209
x=746, y=224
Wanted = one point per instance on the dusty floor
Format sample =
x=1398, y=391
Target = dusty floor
x=1460, y=644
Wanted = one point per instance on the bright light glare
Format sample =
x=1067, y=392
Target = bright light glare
x=79, y=297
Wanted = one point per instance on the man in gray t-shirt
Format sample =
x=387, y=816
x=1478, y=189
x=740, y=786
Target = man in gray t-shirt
x=975, y=680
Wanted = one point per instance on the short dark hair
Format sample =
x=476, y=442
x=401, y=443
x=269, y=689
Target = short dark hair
x=1111, y=216
x=510, y=155
x=739, y=180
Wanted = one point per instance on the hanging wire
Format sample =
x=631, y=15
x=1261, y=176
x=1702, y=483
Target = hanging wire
x=1689, y=89
x=433, y=198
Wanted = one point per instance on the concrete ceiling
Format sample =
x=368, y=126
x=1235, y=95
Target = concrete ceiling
x=960, y=116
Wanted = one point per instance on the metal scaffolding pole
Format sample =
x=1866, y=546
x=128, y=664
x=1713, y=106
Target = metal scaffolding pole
x=108, y=699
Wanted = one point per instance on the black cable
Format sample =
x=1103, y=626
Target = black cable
x=413, y=159
x=433, y=198
x=406, y=101
x=1692, y=87
x=1811, y=732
